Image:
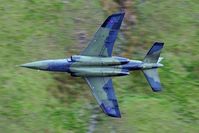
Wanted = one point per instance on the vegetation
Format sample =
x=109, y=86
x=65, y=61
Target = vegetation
x=32, y=101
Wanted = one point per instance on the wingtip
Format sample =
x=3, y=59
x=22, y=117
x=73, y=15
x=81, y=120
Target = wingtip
x=156, y=88
x=114, y=21
x=159, y=43
x=111, y=112
x=115, y=116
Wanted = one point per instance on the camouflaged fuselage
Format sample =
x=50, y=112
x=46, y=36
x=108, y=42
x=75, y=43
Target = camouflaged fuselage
x=82, y=66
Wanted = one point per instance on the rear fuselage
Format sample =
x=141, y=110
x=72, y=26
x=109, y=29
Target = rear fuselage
x=82, y=66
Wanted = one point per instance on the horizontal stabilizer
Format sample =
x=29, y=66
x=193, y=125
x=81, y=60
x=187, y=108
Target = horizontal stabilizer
x=153, y=79
x=154, y=53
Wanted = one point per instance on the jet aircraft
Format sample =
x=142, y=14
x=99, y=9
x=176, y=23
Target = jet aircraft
x=97, y=65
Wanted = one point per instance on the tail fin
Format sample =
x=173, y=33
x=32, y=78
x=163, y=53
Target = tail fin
x=154, y=53
x=153, y=79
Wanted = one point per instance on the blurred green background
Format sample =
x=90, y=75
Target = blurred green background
x=44, y=102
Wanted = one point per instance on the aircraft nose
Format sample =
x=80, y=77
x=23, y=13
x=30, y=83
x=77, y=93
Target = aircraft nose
x=39, y=65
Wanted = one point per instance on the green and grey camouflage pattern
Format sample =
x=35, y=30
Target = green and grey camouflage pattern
x=97, y=65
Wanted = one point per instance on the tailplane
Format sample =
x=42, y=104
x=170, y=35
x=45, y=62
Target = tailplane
x=153, y=79
x=154, y=53
x=151, y=74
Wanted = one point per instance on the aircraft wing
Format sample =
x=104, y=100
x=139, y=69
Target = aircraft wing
x=103, y=41
x=103, y=91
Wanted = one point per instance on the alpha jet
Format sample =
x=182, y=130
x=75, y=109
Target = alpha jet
x=97, y=65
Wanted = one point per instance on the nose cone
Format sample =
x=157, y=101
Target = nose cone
x=38, y=65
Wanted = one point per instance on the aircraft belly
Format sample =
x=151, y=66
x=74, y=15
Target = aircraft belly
x=96, y=71
x=80, y=60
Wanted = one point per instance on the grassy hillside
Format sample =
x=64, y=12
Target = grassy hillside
x=176, y=108
x=32, y=101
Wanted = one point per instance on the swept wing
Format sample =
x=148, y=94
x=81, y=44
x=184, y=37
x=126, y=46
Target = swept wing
x=103, y=91
x=103, y=41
